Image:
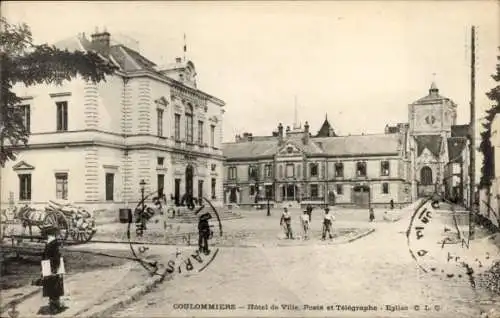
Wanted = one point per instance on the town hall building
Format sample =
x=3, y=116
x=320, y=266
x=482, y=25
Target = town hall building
x=293, y=166
x=97, y=145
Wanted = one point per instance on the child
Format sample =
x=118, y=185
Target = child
x=304, y=218
x=327, y=224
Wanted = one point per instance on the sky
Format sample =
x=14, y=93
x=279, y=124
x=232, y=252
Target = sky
x=361, y=63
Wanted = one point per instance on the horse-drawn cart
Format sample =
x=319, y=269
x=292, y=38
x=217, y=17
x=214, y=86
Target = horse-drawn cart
x=72, y=221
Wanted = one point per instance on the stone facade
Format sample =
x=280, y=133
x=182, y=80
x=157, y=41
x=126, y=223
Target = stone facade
x=435, y=140
x=143, y=123
x=296, y=168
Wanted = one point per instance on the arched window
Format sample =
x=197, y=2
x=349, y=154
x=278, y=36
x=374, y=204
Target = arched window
x=426, y=176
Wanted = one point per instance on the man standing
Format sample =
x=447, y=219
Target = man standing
x=327, y=224
x=304, y=218
x=309, y=211
x=53, y=284
x=204, y=233
x=286, y=222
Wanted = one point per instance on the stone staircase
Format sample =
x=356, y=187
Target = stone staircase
x=184, y=215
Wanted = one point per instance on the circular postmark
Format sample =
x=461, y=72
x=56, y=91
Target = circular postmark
x=152, y=219
x=439, y=242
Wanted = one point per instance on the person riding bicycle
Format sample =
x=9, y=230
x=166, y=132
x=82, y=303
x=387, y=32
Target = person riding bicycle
x=327, y=224
x=286, y=221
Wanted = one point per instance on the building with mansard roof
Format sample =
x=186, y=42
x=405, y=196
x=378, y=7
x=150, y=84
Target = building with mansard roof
x=92, y=144
x=297, y=167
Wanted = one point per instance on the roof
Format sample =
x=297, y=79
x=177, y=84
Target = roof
x=432, y=97
x=127, y=59
x=431, y=142
x=358, y=145
x=249, y=149
x=460, y=130
x=455, y=147
x=355, y=145
x=324, y=131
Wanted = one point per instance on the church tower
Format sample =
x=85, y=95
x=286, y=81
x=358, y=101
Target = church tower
x=431, y=119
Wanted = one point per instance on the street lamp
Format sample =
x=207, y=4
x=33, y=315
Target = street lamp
x=268, y=207
x=142, y=184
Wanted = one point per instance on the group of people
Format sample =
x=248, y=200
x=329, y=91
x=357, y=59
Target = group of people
x=305, y=221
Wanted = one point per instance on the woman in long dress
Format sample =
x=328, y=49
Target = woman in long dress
x=53, y=285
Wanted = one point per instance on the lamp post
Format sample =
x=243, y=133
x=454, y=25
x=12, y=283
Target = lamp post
x=268, y=206
x=142, y=184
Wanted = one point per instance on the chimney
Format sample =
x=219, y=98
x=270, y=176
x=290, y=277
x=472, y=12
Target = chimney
x=178, y=60
x=306, y=133
x=100, y=42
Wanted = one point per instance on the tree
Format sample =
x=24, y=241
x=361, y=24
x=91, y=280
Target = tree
x=485, y=145
x=22, y=61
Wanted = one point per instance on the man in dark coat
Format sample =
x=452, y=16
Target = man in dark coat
x=204, y=233
x=53, y=285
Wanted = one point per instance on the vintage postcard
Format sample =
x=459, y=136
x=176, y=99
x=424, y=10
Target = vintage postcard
x=250, y=159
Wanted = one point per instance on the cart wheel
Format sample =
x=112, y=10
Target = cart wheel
x=83, y=235
x=58, y=220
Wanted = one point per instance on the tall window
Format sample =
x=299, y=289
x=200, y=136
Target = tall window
x=384, y=168
x=339, y=170
x=314, y=169
x=177, y=127
x=213, y=188
x=110, y=186
x=339, y=189
x=200, y=189
x=25, y=109
x=24, y=187
x=314, y=191
x=290, y=170
x=385, y=188
x=361, y=169
x=212, y=135
x=232, y=173
x=299, y=169
x=252, y=172
x=252, y=190
x=189, y=125
x=160, y=180
x=200, y=132
x=267, y=171
x=269, y=191
x=62, y=186
x=159, y=114
x=62, y=116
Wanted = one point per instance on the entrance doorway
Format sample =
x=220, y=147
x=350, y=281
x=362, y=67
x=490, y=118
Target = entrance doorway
x=288, y=192
x=177, y=191
x=361, y=196
x=331, y=198
x=232, y=196
x=189, y=180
